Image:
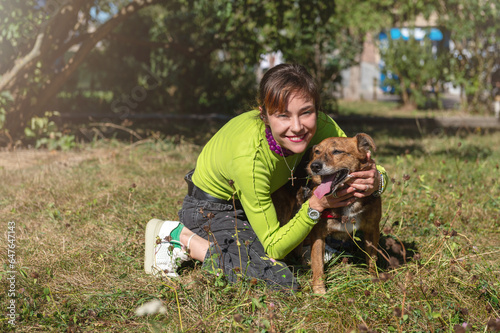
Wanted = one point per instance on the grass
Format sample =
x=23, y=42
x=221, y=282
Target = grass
x=79, y=227
x=388, y=108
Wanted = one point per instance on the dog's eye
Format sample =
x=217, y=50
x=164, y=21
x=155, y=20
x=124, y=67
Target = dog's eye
x=336, y=152
x=316, y=151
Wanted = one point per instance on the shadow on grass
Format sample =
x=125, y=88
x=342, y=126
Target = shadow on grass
x=470, y=152
x=392, y=253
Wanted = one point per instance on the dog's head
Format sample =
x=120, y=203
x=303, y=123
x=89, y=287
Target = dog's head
x=333, y=159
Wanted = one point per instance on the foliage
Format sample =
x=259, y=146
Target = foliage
x=325, y=36
x=80, y=217
x=43, y=43
x=205, y=54
x=208, y=65
x=183, y=56
x=416, y=69
x=47, y=134
x=467, y=57
x=474, y=31
x=5, y=99
x=194, y=56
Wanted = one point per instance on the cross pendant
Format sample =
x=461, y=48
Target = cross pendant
x=292, y=178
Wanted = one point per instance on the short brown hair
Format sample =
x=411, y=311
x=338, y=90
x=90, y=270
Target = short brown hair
x=279, y=82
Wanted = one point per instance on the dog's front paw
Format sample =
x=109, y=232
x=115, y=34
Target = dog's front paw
x=319, y=289
x=303, y=194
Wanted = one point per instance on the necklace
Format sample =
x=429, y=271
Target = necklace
x=291, y=169
x=275, y=147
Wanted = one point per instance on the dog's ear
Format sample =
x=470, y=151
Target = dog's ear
x=365, y=142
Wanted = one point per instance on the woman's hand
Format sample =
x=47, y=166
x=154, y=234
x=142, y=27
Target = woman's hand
x=343, y=198
x=360, y=184
x=365, y=182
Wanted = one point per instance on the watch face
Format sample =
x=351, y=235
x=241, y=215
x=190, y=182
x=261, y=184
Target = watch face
x=313, y=213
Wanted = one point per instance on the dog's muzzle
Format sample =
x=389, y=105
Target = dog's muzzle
x=330, y=183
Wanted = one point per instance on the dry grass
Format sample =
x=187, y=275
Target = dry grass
x=80, y=220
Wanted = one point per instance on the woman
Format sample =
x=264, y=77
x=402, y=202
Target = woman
x=248, y=159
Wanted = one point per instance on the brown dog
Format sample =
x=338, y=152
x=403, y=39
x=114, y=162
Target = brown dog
x=332, y=161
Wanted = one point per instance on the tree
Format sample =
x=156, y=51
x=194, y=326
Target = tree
x=471, y=28
x=177, y=57
x=203, y=52
x=417, y=70
x=35, y=40
x=474, y=32
x=209, y=56
x=326, y=36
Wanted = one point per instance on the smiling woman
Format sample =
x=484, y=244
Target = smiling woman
x=228, y=219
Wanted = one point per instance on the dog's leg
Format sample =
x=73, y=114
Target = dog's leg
x=317, y=259
x=371, y=232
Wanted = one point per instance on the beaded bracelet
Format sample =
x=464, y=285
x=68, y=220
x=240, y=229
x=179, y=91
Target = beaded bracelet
x=378, y=192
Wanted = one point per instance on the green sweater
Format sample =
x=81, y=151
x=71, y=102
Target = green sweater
x=239, y=152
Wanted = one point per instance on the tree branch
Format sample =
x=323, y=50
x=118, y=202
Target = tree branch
x=21, y=63
x=41, y=45
x=149, y=44
x=58, y=81
x=36, y=101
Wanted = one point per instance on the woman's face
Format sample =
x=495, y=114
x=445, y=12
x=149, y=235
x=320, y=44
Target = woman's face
x=294, y=128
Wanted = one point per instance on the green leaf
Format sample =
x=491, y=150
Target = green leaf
x=29, y=133
x=23, y=273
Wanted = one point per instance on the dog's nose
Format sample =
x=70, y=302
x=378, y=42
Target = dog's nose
x=316, y=166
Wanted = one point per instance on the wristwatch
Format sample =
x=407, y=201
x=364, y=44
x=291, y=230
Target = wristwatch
x=313, y=214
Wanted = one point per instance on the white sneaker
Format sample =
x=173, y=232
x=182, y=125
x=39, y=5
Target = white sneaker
x=161, y=257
